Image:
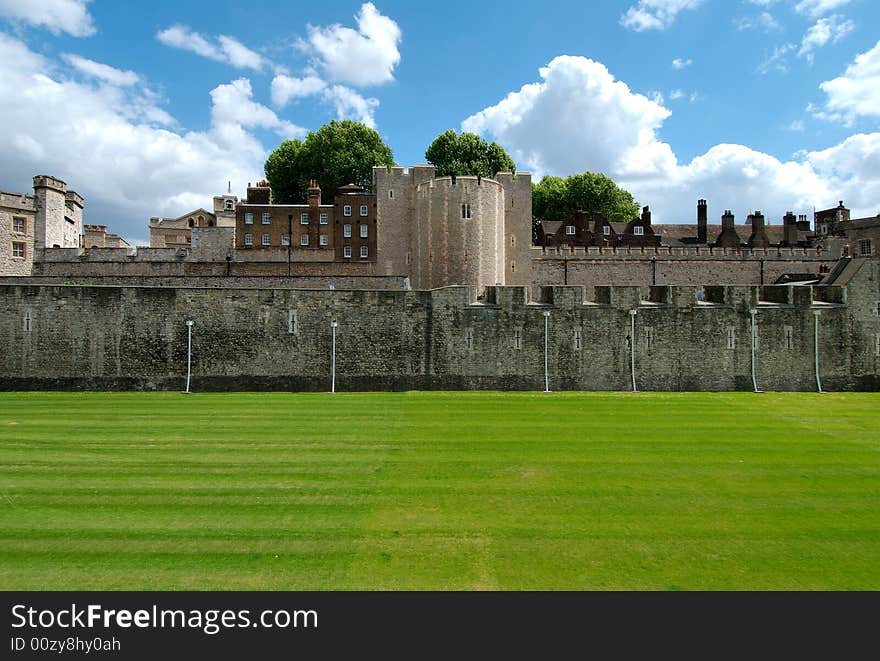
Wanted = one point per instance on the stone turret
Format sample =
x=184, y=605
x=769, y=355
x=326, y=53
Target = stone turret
x=58, y=222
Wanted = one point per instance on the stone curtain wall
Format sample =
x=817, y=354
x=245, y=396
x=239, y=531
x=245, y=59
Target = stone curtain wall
x=272, y=339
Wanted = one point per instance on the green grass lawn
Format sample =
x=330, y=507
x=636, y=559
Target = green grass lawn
x=450, y=491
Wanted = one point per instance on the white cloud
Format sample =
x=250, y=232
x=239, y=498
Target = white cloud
x=797, y=126
x=366, y=56
x=226, y=49
x=100, y=138
x=101, y=71
x=816, y=8
x=856, y=93
x=674, y=95
x=679, y=63
x=778, y=59
x=57, y=16
x=578, y=108
x=655, y=14
x=578, y=118
x=351, y=105
x=763, y=21
x=285, y=88
x=832, y=29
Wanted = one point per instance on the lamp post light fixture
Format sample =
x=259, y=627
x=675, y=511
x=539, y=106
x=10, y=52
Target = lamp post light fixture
x=546, y=350
x=333, y=325
x=189, y=327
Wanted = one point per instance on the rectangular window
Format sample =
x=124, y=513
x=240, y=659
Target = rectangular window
x=365, y=252
x=364, y=231
x=649, y=338
x=304, y=218
x=346, y=231
x=248, y=218
x=731, y=337
x=577, y=340
x=291, y=322
x=788, y=338
x=606, y=230
x=517, y=339
x=265, y=239
x=346, y=210
x=465, y=211
x=248, y=239
x=267, y=218
x=638, y=230
x=285, y=239
x=303, y=239
x=346, y=251
x=364, y=210
x=469, y=338
x=569, y=230
x=323, y=219
x=878, y=308
x=27, y=321
x=390, y=194
x=322, y=240
x=19, y=225
x=866, y=248
x=877, y=345
x=18, y=249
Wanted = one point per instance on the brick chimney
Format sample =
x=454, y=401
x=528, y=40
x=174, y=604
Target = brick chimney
x=728, y=237
x=789, y=230
x=646, y=216
x=758, y=238
x=314, y=193
x=702, y=221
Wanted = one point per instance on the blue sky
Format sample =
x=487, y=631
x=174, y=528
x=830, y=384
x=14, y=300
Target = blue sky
x=150, y=108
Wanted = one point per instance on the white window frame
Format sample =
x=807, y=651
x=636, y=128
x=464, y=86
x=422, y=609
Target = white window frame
x=248, y=218
x=346, y=230
x=323, y=219
x=267, y=218
x=365, y=252
x=304, y=218
x=364, y=211
x=638, y=230
x=346, y=210
x=346, y=251
x=866, y=247
x=23, y=246
x=365, y=231
x=606, y=230
x=285, y=239
x=266, y=240
x=304, y=239
x=248, y=239
x=23, y=221
x=570, y=230
x=323, y=240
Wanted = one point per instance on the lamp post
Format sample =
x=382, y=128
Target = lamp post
x=754, y=314
x=189, y=327
x=333, y=325
x=632, y=348
x=546, y=348
x=816, y=314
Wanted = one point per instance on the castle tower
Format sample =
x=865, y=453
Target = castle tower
x=758, y=238
x=702, y=222
x=58, y=222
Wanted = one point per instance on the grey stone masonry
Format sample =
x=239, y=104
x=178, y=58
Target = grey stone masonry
x=123, y=337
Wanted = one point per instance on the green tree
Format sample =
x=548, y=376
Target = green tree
x=554, y=198
x=339, y=153
x=467, y=154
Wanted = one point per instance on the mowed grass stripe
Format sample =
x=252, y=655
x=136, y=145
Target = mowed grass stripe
x=439, y=491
